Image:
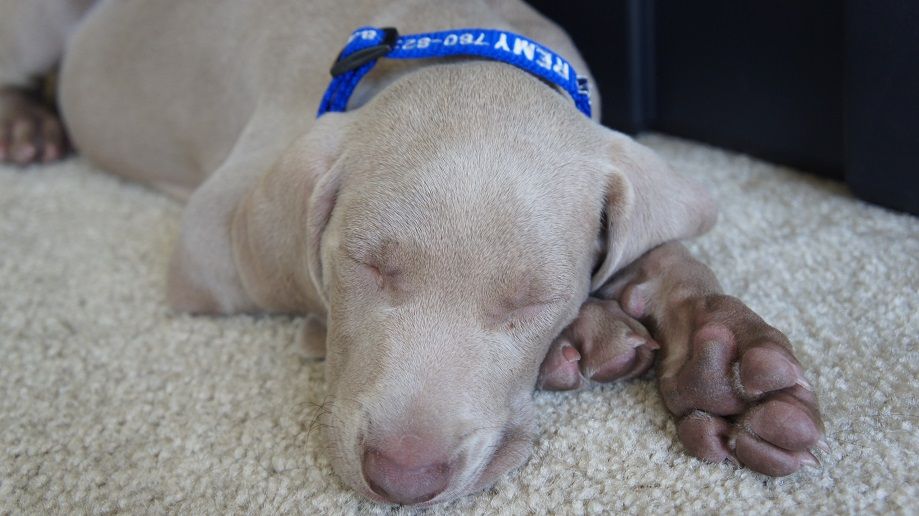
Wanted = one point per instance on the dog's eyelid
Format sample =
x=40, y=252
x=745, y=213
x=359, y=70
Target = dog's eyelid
x=362, y=263
x=536, y=305
x=528, y=309
x=370, y=262
x=381, y=269
x=385, y=277
x=551, y=302
x=374, y=255
x=554, y=299
x=541, y=299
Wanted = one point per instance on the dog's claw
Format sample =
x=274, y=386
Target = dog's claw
x=560, y=370
x=804, y=383
x=810, y=460
x=823, y=446
x=569, y=353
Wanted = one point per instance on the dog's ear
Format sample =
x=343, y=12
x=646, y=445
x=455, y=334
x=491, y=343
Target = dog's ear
x=252, y=245
x=647, y=204
x=278, y=227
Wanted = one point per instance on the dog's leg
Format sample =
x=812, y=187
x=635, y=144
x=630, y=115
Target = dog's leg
x=33, y=34
x=731, y=380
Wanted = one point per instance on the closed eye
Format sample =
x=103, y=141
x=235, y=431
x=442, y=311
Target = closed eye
x=383, y=277
x=378, y=277
x=511, y=317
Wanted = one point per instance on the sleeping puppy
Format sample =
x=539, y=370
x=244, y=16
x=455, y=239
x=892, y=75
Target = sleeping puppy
x=459, y=235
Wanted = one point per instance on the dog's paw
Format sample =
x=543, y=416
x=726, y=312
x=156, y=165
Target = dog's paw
x=603, y=345
x=29, y=132
x=738, y=392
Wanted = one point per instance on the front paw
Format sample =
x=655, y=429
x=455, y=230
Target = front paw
x=737, y=390
x=604, y=344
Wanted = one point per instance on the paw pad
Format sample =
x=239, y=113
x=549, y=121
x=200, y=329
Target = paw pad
x=740, y=394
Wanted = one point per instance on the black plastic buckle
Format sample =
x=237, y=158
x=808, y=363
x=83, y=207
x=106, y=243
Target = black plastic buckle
x=365, y=55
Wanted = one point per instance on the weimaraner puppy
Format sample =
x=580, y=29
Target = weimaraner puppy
x=460, y=234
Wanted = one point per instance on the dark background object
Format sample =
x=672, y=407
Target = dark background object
x=615, y=37
x=823, y=85
x=882, y=102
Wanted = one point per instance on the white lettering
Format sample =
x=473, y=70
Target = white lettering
x=561, y=67
x=545, y=59
x=502, y=43
x=524, y=47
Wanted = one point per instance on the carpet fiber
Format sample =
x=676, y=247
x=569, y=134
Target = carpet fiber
x=110, y=403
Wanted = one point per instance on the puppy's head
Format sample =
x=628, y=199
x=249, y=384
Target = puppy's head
x=450, y=238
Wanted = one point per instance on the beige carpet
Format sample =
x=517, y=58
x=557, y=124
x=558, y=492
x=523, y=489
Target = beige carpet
x=109, y=403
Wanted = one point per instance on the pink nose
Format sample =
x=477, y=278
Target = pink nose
x=407, y=470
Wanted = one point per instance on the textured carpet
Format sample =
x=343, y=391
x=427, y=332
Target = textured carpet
x=110, y=403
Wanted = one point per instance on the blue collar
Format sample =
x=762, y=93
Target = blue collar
x=367, y=44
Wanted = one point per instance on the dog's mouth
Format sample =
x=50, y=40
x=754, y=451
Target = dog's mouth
x=511, y=451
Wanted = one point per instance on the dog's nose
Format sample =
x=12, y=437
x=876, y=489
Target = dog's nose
x=406, y=470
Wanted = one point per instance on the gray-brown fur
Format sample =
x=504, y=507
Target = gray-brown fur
x=442, y=233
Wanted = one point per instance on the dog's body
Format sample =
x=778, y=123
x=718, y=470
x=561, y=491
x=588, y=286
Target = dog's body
x=446, y=230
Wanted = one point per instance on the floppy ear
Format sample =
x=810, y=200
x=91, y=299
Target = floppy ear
x=279, y=224
x=647, y=204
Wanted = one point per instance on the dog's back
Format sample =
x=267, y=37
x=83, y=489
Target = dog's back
x=162, y=92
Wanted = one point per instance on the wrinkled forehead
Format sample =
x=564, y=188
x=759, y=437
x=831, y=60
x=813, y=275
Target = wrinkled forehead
x=501, y=184
x=502, y=202
x=452, y=207
x=419, y=220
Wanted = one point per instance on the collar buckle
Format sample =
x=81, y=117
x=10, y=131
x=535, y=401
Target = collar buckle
x=365, y=55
